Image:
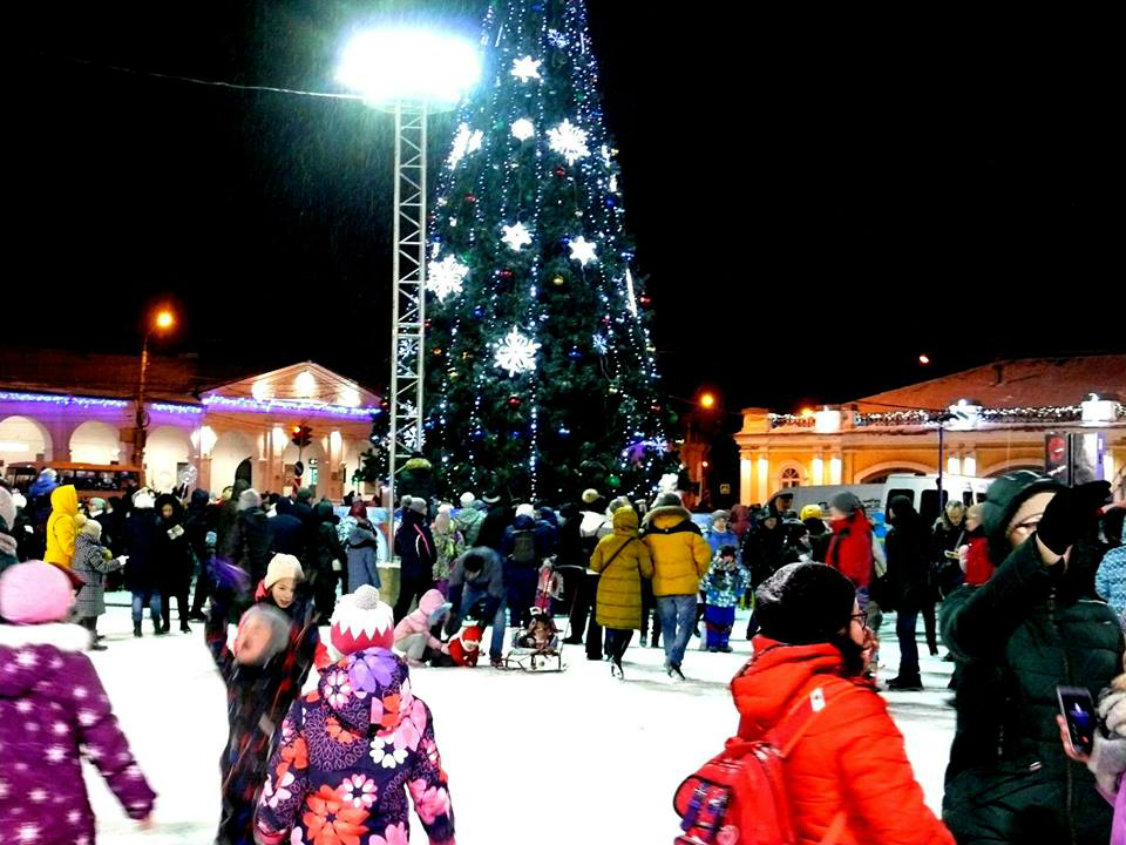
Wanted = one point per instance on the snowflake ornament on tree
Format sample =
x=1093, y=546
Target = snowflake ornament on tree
x=516, y=353
x=582, y=250
x=523, y=129
x=569, y=141
x=526, y=68
x=516, y=236
x=446, y=277
x=464, y=142
x=600, y=345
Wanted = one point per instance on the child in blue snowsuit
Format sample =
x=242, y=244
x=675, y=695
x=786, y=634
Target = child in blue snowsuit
x=725, y=582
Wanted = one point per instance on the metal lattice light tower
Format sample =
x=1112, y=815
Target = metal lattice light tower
x=408, y=326
x=411, y=73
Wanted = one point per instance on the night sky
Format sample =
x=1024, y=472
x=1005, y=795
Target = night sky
x=815, y=201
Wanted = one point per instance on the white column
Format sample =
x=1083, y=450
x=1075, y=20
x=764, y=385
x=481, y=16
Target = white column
x=746, y=469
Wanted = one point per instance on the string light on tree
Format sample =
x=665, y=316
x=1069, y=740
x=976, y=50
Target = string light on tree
x=516, y=236
x=582, y=250
x=527, y=68
x=446, y=277
x=523, y=129
x=516, y=353
x=569, y=141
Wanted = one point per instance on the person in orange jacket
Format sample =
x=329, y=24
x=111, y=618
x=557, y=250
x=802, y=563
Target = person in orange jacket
x=849, y=771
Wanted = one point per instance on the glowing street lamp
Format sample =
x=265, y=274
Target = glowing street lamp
x=162, y=321
x=707, y=401
x=411, y=72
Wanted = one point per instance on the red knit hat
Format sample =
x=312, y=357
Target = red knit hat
x=361, y=621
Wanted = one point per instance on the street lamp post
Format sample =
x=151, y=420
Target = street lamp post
x=411, y=73
x=163, y=321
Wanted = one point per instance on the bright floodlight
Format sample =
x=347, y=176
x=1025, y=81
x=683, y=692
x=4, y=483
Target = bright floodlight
x=409, y=65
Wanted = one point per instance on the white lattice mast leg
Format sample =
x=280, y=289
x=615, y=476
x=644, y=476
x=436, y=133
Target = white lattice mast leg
x=408, y=328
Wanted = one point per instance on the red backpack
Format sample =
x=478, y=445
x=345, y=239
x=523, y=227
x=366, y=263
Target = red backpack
x=739, y=796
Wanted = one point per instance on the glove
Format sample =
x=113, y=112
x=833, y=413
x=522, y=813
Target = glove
x=1112, y=710
x=1108, y=761
x=1069, y=512
x=453, y=624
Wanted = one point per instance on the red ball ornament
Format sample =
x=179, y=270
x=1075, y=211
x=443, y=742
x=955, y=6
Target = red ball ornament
x=656, y=409
x=561, y=172
x=514, y=401
x=645, y=300
x=507, y=274
x=606, y=321
x=471, y=198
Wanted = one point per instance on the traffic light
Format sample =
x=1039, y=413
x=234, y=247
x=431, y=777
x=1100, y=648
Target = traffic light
x=302, y=436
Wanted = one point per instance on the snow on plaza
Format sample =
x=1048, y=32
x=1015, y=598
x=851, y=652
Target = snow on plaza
x=552, y=758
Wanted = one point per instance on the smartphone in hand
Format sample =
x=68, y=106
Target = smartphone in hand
x=1078, y=709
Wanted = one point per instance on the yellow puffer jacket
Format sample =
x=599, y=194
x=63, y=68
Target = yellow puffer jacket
x=681, y=556
x=61, y=525
x=619, y=588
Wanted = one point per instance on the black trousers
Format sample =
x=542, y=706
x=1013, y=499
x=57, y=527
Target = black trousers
x=324, y=593
x=202, y=591
x=411, y=589
x=617, y=641
x=583, y=617
x=180, y=593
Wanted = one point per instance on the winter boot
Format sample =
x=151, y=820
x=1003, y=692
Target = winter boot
x=184, y=629
x=158, y=628
x=137, y=629
x=905, y=684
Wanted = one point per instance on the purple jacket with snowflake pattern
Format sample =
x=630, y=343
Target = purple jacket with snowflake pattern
x=347, y=754
x=54, y=711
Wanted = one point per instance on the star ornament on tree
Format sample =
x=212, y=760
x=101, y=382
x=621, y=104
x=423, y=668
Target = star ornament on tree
x=446, y=277
x=526, y=68
x=516, y=236
x=516, y=353
x=569, y=141
x=582, y=250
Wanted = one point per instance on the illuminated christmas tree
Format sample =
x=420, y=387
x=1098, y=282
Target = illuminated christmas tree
x=542, y=376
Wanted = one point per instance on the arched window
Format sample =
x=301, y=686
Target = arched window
x=791, y=477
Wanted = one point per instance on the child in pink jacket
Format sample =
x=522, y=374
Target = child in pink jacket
x=415, y=635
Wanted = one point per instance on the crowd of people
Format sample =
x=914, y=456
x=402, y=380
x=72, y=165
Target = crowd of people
x=1024, y=589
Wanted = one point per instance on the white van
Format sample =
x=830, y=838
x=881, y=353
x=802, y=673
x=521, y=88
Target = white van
x=922, y=490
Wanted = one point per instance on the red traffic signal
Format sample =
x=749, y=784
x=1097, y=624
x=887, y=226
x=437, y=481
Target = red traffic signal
x=301, y=435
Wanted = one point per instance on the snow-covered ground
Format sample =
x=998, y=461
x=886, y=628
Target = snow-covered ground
x=557, y=759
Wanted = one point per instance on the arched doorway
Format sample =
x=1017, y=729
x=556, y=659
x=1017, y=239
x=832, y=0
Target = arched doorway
x=167, y=451
x=95, y=442
x=231, y=450
x=23, y=439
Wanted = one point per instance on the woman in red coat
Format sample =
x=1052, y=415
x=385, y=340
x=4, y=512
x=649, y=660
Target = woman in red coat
x=850, y=550
x=849, y=770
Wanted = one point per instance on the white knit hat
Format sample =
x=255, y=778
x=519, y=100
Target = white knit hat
x=526, y=510
x=361, y=621
x=283, y=566
x=467, y=500
x=590, y=496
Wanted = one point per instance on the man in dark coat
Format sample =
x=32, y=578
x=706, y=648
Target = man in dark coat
x=203, y=518
x=1032, y=627
x=228, y=517
x=493, y=526
x=248, y=545
x=288, y=534
x=142, y=569
x=908, y=571
x=527, y=543
x=325, y=554
x=414, y=546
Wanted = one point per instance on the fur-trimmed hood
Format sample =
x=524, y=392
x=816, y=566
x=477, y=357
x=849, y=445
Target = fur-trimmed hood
x=29, y=654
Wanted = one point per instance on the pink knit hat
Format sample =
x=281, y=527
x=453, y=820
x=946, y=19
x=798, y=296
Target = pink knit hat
x=361, y=621
x=35, y=592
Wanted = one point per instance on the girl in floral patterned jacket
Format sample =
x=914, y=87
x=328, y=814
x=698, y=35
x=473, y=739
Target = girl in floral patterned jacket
x=347, y=754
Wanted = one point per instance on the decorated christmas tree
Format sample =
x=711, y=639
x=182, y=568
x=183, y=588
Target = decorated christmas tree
x=542, y=376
